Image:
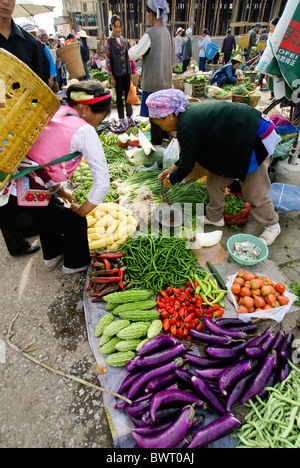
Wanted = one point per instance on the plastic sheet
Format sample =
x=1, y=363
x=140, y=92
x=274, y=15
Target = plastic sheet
x=285, y=197
x=276, y=314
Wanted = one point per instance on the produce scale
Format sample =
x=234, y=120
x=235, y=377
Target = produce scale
x=187, y=336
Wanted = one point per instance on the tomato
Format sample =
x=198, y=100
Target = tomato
x=283, y=300
x=280, y=287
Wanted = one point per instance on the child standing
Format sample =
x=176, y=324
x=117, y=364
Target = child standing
x=118, y=66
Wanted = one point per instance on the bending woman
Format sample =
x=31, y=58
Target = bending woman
x=230, y=140
x=62, y=230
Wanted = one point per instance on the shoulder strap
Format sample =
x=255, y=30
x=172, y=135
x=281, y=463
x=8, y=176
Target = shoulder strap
x=26, y=171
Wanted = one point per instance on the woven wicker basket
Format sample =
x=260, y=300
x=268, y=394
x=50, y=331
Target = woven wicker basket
x=177, y=82
x=244, y=40
x=199, y=90
x=250, y=99
x=261, y=45
x=28, y=106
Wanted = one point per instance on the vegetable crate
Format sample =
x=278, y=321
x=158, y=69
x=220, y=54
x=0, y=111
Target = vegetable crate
x=251, y=100
x=240, y=217
x=199, y=90
x=27, y=105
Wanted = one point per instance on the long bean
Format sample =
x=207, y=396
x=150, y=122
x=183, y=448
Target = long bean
x=274, y=422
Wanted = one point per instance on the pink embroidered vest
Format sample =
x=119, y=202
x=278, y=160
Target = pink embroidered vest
x=54, y=142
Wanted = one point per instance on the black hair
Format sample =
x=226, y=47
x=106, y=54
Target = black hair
x=228, y=31
x=205, y=31
x=114, y=19
x=94, y=89
x=70, y=36
x=85, y=48
x=275, y=20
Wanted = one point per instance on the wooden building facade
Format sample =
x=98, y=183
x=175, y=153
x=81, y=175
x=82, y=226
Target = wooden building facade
x=215, y=15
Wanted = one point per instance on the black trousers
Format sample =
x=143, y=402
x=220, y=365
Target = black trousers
x=61, y=230
x=122, y=88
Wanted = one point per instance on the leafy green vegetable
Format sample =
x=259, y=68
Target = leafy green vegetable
x=234, y=204
x=295, y=288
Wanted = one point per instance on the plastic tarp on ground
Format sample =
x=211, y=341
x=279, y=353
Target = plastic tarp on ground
x=111, y=378
x=285, y=197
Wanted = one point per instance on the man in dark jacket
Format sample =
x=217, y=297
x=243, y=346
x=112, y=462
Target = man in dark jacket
x=25, y=47
x=229, y=44
x=253, y=40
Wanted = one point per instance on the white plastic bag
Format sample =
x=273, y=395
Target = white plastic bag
x=276, y=314
x=171, y=154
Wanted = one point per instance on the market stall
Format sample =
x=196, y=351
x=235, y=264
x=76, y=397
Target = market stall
x=194, y=349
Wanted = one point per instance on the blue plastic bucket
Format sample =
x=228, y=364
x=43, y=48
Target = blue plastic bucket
x=211, y=51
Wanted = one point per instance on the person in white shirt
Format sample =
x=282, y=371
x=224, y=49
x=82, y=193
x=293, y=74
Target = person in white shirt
x=202, y=44
x=178, y=46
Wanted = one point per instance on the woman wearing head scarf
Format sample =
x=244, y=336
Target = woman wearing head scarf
x=232, y=141
x=178, y=46
x=187, y=50
x=155, y=48
x=26, y=205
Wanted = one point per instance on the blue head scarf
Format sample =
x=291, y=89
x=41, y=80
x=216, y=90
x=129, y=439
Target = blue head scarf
x=161, y=8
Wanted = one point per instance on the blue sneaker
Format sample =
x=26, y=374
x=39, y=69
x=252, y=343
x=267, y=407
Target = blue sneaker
x=50, y=265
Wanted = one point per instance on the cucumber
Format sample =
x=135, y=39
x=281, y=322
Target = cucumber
x=217, y=275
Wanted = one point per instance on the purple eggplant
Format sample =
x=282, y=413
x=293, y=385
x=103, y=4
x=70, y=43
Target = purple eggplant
x=151, y=430
x=271, y=382
x=163, y=415
x=201, y=361
x=160, y=382
x=140, y=383
x=284, y=370
x=172, y=435
x=220, y=352
x=157, y=344
x=210, y=338
x=128, y=381
x=238, y=390
x=215, y=430
x=184, y=376
x=285, y=348
x=160, y=357
x=261, y=379
x=278, y=339
x=131, y=365
x=230, y=322
x=213, y=327
x=263, y=348
x=136, y=410
x=230, y=374
x=259, y=338
x=210, y=373
x=203, y=390
x=172, y=397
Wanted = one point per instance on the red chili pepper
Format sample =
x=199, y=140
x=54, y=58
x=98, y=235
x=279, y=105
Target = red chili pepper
x=181, y=312
x=199, y=327
x=173, y=330
x=209, y=316
x=169, y=291
x=196, y=284
x=120, y=282
x=105, y=279
x=111, y=255
x=199, y=303
x=172, y=300
x=106, y=264
x=179, y=333
x=177, y=290
x=218, y=313
x=89, y=286
x=183, y=296
x=189, y=317
x=187, y=291
x=163, y=294
x=165, y=314
x=173, y=321
x=209, y=310
x=166, y=324
x=161, y=305
x=185, y=332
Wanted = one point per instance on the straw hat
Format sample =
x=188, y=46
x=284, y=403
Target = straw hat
x=82, y=33
x=238, y=58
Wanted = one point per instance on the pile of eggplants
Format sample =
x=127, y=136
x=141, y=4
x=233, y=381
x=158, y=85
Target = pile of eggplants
x=170, y=387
